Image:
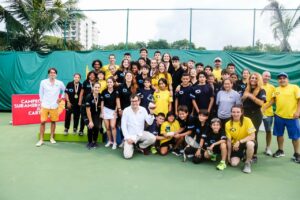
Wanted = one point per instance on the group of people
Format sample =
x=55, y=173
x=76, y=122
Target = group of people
x=161, y=105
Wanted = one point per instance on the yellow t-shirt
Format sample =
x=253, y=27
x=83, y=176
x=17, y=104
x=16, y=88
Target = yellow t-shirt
x=217, y=73
x=162, y=100
x=237, y=132
x=286, y=99
x=168, y=127
x=103, y=85
x=106, y=70
x=159, y=76
x=269, y=88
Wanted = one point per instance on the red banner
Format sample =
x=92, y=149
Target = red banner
x=26, y=109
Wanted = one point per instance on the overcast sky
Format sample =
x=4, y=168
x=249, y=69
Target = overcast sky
x=210, y=29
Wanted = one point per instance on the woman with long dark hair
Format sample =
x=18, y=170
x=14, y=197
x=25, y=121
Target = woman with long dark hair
x=240, y=133
x=87, y=86
x=109, y=107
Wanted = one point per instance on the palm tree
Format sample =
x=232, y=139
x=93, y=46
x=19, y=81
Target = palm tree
x=28, y=21
x=282, y=23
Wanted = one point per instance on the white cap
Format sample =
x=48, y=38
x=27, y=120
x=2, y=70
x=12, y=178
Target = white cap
x=218, y=58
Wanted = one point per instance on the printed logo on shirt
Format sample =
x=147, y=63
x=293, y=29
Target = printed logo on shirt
x=198, y=131
x=124, y=90
x=198, y=91
x=181, y=92
x=71, y=90
x=107, y=95
x=122, y=74
x=277, y=93
x=232, y=129
x=141, y=81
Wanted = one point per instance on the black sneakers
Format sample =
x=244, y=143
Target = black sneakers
x=176, y=152
x=278, y=153
x=296, y=158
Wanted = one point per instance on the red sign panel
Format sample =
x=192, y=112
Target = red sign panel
x=26, y=109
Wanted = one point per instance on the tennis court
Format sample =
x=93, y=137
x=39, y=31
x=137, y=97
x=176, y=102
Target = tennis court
x=70, y=171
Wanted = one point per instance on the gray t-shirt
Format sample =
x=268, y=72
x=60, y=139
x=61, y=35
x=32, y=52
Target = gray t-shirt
x=225, y=101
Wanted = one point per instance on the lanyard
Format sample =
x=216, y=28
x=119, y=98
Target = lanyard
x=96, y=103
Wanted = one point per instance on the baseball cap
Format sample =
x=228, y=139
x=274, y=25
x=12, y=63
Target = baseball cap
x=282, y=74
x=218, y=58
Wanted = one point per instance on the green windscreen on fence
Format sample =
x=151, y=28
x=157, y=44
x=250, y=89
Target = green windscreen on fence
x=21, y=72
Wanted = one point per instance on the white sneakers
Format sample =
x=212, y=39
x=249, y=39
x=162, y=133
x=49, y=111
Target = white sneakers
x=108, y=144
x=114, y=145
x=40, y=142
x=268, y=152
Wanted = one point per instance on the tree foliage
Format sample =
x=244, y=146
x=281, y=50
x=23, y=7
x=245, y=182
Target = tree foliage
x=283, y=24
x=27, y=22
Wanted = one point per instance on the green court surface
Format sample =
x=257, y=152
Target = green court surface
x=67, y=170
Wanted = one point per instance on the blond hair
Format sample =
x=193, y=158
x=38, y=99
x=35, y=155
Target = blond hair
x=259, y=84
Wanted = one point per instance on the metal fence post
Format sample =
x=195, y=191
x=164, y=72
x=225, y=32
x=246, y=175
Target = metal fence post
x=65, y=39
x=127, y=25
x=191, y=21
x=254, y=23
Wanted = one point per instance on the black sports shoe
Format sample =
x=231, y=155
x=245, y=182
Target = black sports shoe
x=278, y=153
x=296, y=158
x=80, y=133
x=89, y=146
x=176, y=152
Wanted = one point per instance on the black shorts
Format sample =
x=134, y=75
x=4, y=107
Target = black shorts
x=216, y=149
x=168, y=143
x=241, y=152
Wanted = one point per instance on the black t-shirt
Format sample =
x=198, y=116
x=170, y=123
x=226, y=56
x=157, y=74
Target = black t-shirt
x=70, y=90
x=140, y=80
x=202, y=94
x=87, y=88
x=154, y=128
x=184, y=98
x=188, y=124
x=109, y=99
x=146, y=97
x=124, y=94
x=176, y=77
x=91, y=102
x=249, y=105
x=210, y=137
x=200, y=130
x=120, y=76
x=240, y=87
x=171, y=69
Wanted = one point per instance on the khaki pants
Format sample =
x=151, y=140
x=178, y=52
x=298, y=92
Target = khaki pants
x=146, y=138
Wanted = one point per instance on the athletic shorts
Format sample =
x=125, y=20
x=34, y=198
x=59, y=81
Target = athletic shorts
x=268, y=121
x=292, y=126
x=241, y=152
x=168, y=143
x=51, y=113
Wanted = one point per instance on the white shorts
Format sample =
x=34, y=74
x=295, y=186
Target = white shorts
x=108, y=113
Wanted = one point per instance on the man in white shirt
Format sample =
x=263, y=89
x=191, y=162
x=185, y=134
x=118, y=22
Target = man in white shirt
x=133, y=125
x=49, y=92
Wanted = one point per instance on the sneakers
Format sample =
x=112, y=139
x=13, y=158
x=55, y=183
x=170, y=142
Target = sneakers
x=296, y=158
x=66, y=132
x=74, y=130
x=222, y=165
x=80, y=133
x=89, y=146
x=278, y=153
x=52, y=141
x=94, y=145
x=114, y=146
x=268, y=152
x=176, y=152
x=108, y=144
x=39, y=143
x=153, y=150
x=247, y=168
